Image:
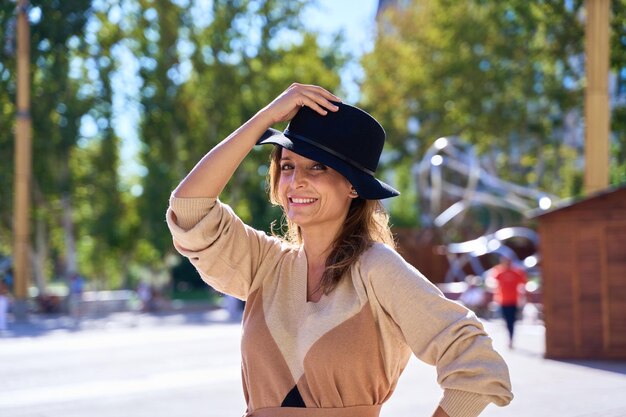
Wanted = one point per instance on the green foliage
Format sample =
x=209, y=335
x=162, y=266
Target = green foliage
x=403, y=211
x=195, y=75
x=504, y=76
x=618, y=66
x=56, y=111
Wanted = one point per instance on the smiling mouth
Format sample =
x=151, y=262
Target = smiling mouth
x=302, y=200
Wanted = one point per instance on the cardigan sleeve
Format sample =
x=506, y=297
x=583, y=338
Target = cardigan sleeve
x=226, y=252
x=440, y=332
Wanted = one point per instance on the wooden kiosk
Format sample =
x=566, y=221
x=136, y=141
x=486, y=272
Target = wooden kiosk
x=583, y=251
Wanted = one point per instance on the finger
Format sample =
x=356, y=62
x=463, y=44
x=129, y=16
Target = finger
x=328, y=104
x=321, y=100
x=315, y=89
x=323, y=92
x=312, y=104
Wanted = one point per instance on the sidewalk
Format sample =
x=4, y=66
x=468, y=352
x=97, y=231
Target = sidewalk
x=545, y=387
x=59, y=324
x=542, y=387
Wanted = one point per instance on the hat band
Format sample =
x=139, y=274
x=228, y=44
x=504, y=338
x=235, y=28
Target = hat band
x=330, y=151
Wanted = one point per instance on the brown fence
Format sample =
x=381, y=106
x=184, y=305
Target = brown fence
x=418, y=249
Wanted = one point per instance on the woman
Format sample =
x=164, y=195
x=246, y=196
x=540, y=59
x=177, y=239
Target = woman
x=333, y=313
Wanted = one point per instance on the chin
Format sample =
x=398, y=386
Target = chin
x=297, y=220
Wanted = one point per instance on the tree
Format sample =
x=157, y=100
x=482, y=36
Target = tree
x=506, y=76
x=193, y=76
x=56, y=113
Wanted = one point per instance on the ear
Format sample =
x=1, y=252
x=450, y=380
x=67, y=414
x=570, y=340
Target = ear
x=353, y=193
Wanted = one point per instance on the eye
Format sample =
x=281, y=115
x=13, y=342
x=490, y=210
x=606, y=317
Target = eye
x=285, y=166
x=319, y=167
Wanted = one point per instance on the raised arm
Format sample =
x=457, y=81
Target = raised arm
x=209, y=177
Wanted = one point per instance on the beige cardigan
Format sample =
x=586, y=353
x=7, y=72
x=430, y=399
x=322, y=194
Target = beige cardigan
x=343, y=355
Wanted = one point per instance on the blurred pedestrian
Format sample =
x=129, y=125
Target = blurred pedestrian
x=144, y=292
x=8, y=278
x=508, y=281
x=76, y=289
x=234, y=306
x=332, y=310
x=474, y=297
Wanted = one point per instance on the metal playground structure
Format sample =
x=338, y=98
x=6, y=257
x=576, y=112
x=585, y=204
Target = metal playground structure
x=452, y=184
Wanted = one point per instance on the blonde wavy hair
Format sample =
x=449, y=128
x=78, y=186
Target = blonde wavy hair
x=367, y=222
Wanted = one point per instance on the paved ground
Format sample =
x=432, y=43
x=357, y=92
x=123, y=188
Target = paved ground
x=187, y=364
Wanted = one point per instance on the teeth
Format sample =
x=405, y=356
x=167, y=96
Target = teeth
x=302, y=200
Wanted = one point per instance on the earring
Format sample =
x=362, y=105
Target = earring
x=354, y=193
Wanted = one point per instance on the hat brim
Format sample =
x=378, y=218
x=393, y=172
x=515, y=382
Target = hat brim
x=367, y=186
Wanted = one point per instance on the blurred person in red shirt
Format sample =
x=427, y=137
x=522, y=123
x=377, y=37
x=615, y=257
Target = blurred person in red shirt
x=507, y=281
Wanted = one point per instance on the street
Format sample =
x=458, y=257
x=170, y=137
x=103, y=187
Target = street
x=154, y=369
x=187, y=364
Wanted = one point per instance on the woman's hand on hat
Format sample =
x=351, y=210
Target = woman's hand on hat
x=285, y=106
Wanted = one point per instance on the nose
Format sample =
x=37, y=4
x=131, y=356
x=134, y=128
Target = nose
x=298, y=178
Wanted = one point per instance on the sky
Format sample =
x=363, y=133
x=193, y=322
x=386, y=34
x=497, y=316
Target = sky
x=356, y=19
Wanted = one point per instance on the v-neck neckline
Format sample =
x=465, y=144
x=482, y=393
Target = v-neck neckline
x=301, y=287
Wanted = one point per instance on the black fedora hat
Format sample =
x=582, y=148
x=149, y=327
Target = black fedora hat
x=349, y=140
